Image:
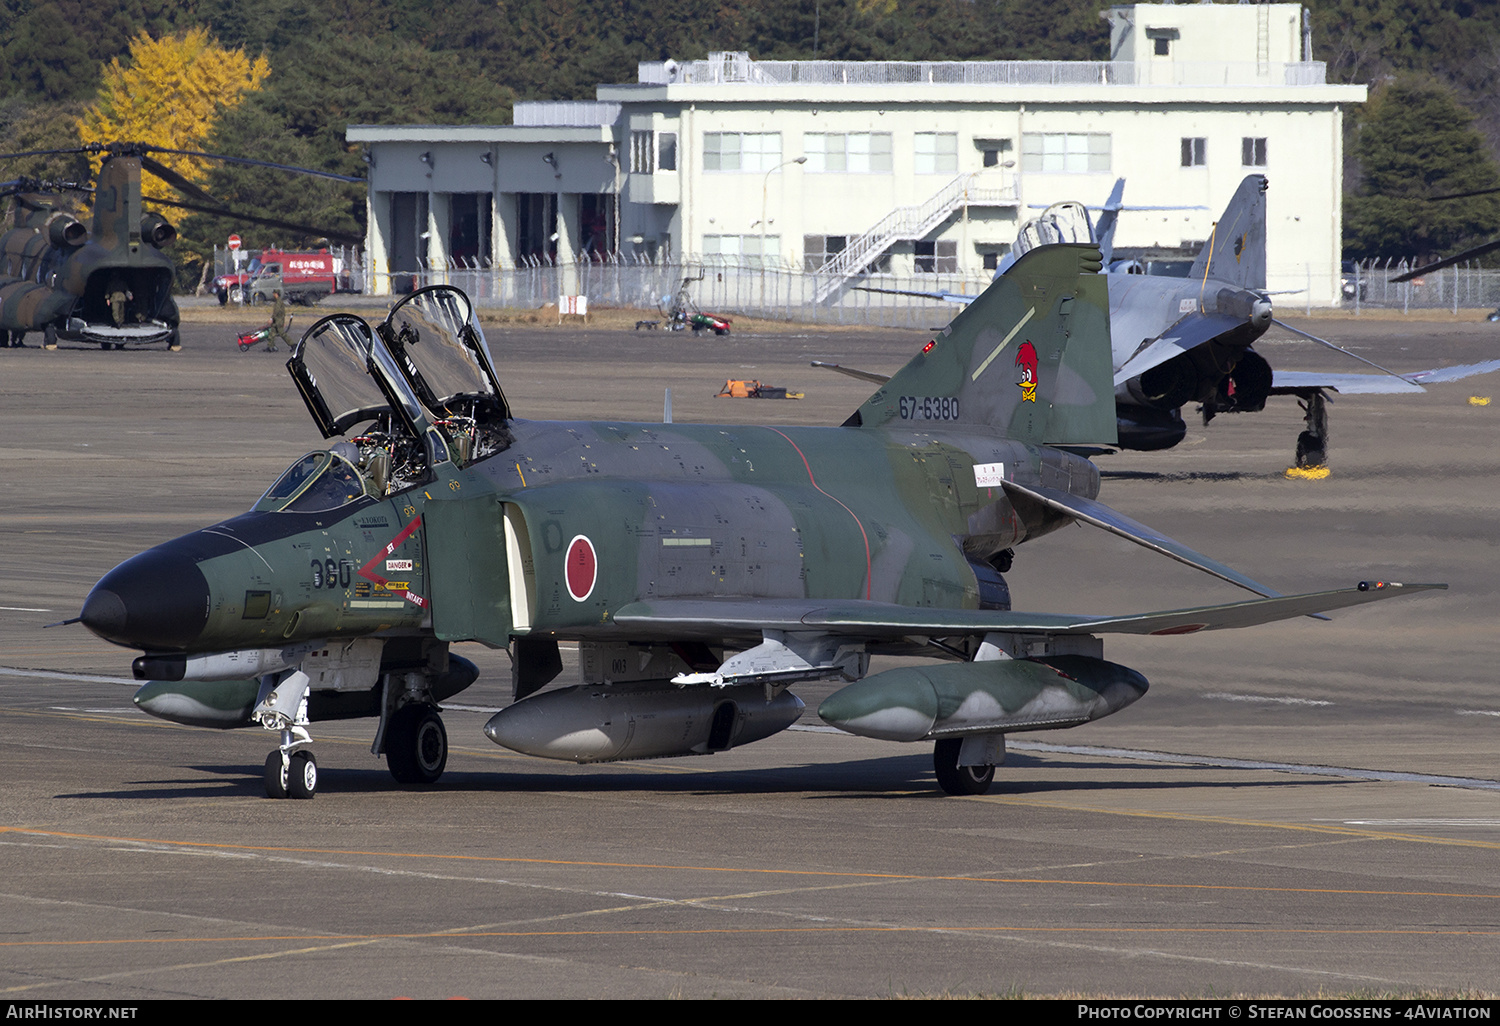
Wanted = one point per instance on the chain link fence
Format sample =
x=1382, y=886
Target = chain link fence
x=733, y=286
x=774, y=289
x=1464, y=286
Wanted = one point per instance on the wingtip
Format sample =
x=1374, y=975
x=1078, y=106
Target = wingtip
x=1383, y=585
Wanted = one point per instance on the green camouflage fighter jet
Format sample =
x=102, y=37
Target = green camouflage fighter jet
x=702, y=569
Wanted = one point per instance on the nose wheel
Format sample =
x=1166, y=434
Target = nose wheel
x=291, y=776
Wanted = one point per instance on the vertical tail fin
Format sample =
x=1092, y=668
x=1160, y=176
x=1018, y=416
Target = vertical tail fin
x=1236, y=252
x=1030, y=356
x=1109, y=217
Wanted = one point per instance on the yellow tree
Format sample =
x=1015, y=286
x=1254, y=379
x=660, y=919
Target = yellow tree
x=169, y=93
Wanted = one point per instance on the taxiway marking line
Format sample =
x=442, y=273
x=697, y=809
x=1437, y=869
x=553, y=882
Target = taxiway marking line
x=1371, y=835
x=761, y=871
x=153, y=970
x=353, y=940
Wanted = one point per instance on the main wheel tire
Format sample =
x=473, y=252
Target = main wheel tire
x=1312, y=451
x=302, y=776
x=416, y=745
x=955, y=779
x=277, y=776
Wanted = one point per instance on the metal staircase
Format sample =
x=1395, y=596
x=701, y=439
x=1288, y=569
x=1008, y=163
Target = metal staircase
x=905, y=224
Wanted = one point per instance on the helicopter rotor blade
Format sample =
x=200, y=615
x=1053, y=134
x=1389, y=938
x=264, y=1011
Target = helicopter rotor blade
x=178, y=182
x=269, y=222
x=261, y=163
x=1438, y=265
x=1464, y=195
x=45, y=153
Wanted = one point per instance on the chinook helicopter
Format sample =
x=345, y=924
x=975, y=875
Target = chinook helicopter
x=703, y=570
x=110, y=282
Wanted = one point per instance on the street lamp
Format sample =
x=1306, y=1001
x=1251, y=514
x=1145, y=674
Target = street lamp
x=765, y=187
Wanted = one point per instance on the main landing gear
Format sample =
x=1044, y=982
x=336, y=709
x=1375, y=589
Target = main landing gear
x=1312, y=444
x=965, y=766
x=416, y=744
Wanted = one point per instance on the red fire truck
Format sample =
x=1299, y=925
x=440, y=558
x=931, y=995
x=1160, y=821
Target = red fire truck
x=301, y=277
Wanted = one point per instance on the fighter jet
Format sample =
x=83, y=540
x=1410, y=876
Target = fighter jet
x=703, y=570
x=1178, y=341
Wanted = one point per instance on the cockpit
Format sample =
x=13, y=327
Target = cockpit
x=318, y=482
x=416, y=391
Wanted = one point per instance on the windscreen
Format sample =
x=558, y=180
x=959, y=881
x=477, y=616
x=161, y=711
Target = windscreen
x=318, y=482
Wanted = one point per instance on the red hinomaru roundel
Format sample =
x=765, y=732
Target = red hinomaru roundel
x=581, y=568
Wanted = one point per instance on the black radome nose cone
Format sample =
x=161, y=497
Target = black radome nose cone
x=157, y=600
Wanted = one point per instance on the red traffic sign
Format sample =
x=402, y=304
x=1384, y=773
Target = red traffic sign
x=234, y=242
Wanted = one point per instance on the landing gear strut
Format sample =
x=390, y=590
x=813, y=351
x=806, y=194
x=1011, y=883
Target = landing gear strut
x=290, y=771
x=1312, y=444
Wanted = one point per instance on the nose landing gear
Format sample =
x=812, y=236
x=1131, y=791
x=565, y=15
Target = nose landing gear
x=290, y=771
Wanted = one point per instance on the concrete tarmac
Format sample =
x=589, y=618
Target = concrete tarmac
x=1302, y=808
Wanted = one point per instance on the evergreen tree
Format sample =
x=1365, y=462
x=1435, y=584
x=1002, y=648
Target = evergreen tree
x=1415, y=141
x=45, y=60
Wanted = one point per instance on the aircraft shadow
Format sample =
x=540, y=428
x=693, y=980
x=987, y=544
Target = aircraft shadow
x=1192, y=475
x=889, y=777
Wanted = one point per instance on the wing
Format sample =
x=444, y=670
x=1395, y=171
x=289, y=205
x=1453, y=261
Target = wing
x=1193, y=330
x=962, y=298
x=875, y=621
x=1297, y=382
x=1376, y=384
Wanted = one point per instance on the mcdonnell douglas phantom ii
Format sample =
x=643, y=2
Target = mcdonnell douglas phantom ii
x=703, y=570
x=1178, y=341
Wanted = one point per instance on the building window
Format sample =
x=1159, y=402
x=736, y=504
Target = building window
x=666, y=152
x=1195, y=152
x=937, y=153
x=642, y=153
x=992, y=257
x=817, y=250
x=852, y=152
x=741, y=151
x=936, y=257
x=1162, y=38
x=1070, y=153
x=740, y=245
x=1253, y=152
x=994, y=152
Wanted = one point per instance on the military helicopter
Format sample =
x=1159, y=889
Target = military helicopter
x=109, y=283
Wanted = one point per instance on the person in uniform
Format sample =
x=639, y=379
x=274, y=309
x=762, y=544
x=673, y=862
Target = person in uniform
x=278, y=323
x=117, y=295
